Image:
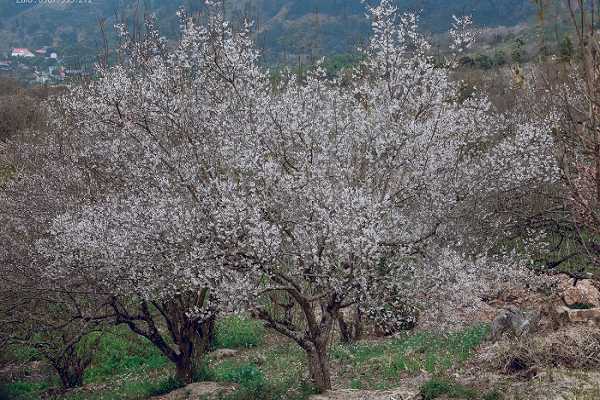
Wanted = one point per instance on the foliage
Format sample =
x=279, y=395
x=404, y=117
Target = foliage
x=393, y=315
x=518, y=51
x=566, y=49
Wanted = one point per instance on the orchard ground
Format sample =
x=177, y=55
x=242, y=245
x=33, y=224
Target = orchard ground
x=458, y=365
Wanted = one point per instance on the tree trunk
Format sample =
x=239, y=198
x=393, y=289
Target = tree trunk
x=191, y=350
x=70, y=376
x=184, y=370
x=318, y=365
x=350, y=332
x=345, y=330
x=358, y=324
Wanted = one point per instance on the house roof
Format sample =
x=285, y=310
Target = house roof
x=20, y=50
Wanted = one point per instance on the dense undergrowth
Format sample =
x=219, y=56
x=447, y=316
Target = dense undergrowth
x=126, y=367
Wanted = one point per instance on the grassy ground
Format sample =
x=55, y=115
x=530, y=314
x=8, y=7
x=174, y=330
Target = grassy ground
x=127, y=367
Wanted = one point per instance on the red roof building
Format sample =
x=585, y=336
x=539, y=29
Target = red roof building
x=22, y=52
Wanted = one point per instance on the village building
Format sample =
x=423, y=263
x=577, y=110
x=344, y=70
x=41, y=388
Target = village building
x=22, y=52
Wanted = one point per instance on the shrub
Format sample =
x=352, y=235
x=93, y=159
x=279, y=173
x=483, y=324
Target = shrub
x=393, y=317
x=238, y=332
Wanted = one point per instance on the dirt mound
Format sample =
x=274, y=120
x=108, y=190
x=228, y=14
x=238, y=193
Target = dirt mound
x=202, y=390
x=396, y=394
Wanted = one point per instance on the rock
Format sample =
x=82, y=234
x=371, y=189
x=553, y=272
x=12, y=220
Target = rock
x=512, y=319
x=584, y=293
x=350, y=394
x=201, y=390
x=559, y=316
x=223, y=353
x=591, y=315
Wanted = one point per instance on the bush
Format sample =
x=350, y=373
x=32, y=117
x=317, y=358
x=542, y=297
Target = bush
x=238, y=332
x=436, y=388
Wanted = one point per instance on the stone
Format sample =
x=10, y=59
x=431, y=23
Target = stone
x=201, y=390
x=221, y=354
x=350, y=394
x=584, y=293
x=560, y=316
x=589, y=316
x=512, y=319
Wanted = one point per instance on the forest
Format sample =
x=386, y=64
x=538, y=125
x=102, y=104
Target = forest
x=191, y=222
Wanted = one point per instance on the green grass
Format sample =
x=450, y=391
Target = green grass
x=382, y=364
x=127, y=367
x=22, y=390
x=120, y=352
x=267, y=375
x=493, y=395
x=235, y=332
x=437, y=387
x=134, y=388
x=20, y=354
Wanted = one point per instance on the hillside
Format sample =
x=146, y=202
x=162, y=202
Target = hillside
x=286, y=27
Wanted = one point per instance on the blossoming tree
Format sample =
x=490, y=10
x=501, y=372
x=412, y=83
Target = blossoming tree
x=153, y=133
x=345, y=179
x=50, y=314
x=218, y=189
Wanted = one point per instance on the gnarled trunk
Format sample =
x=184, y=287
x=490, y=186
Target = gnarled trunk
x=69, y=365
x=185, y=369
x=193, y=342
x=314, y=336
x=71, y=376
x=318, y=365
x=191, y=336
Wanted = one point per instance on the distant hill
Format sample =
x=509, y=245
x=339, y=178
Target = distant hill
x=285, y=27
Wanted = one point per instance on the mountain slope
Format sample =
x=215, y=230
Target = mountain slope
x=290, y=27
